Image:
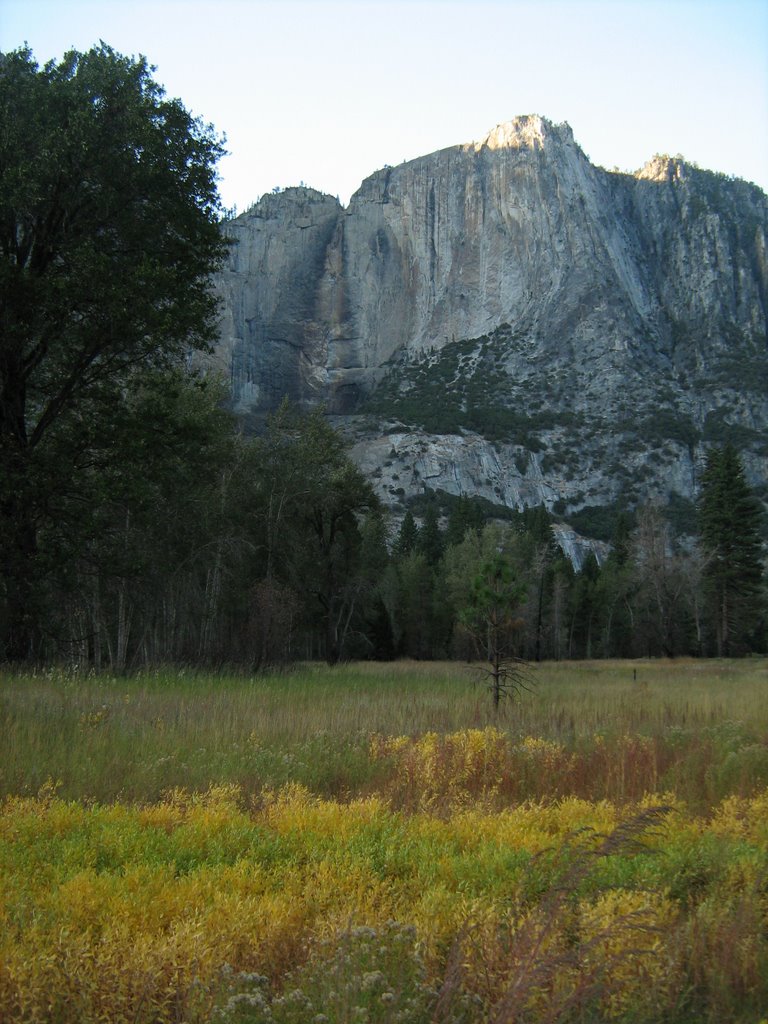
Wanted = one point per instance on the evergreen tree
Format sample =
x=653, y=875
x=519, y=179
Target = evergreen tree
x=373, y=552
x=616, y=589
x=661, y=624
x=415, y=606
x=430, y=538
x=537, y=522
x=563, y=577
x=408, y=536
x=322, y=497
x=541, y=551
x=621, y=540
x=585, y=609
x=465, y=514
x=730, y=539
x=375, y=626
x=492, y=619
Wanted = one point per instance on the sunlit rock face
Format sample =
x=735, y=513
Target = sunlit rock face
x=545, y=330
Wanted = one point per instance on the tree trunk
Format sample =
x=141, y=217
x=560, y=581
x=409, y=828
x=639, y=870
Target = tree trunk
x=724, y=645
x=124, y=614
x=19, y=571
x=496, y=675
x=18, y=532
x=96, y=623
x=539, y=616
x=332, y=649
x=124, y=617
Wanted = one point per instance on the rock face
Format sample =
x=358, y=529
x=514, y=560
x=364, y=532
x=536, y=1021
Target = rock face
x=273, y=335
x=504, y=318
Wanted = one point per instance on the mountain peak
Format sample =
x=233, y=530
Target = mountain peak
x=663, y=167
x=528, y=130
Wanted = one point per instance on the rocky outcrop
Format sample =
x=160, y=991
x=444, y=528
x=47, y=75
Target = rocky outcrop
x=273, y=330
x=530, y=327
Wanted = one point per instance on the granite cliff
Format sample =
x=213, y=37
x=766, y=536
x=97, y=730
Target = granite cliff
x=503, y=318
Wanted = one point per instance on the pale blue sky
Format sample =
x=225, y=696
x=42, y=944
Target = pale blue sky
x=327, y=91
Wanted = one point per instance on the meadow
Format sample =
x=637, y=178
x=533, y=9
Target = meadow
x=372, y=843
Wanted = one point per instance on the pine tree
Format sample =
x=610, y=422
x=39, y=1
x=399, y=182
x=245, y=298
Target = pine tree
x=465, y=514
x=407, y=537
x=617, y=586
x=430, y=538
x=621, y=540
x=730, y=539
x=585, y=602
x=492, y=619
x=543, y=550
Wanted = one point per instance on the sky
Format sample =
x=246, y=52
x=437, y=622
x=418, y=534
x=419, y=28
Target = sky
x=325, y=92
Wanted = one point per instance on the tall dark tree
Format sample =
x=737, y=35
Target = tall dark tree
x=415, y=616
x=144, y=588
x=541, y=552
x=464, y=515
x=661, y=623
x=621, y=543
x=408, y=536
x=430, y=538
x=730, y=539
x=562, y=584
x=585, y=609
x=109, y=231
x=317, y=499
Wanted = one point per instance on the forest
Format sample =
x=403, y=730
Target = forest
x=217, y=549
x=139, y=525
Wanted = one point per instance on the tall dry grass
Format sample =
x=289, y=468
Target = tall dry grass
x=698, y=728
x=334, y=799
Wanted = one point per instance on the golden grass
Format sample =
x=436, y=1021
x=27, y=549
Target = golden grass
x=156, y=828
x=117, y=913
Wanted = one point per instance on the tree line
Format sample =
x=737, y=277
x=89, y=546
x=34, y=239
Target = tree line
x=218, y=549
x=654, y=595
x=139, y=526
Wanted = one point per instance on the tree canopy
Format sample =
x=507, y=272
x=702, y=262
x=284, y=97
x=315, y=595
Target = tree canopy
x=109, y=232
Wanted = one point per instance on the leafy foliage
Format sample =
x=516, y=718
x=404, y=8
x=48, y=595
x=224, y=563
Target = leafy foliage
x=312, y=496
x=109, y=236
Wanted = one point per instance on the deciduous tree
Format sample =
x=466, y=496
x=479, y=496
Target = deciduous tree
x=109, y=231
